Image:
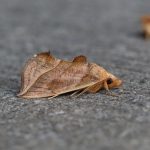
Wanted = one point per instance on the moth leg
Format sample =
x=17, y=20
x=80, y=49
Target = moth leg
x=106, y=86
x=112, y=94
x=85, y=90
x=93, y=88
x=108, y=91
x=52, y=96
x=74, y=93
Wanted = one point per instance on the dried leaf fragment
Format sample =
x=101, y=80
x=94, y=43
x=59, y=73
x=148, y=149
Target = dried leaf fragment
x=47, y=76
x=145, y=20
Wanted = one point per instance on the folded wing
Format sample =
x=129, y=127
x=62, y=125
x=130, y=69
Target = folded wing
x=62, y=78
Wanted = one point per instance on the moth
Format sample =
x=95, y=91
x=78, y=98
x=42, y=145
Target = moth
x=145, y=20
x=46, y=76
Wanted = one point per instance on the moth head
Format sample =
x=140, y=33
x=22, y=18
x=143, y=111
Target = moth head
x=113, y=81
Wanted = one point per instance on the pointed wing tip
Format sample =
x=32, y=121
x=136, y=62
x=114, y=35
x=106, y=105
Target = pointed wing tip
x=21, y=95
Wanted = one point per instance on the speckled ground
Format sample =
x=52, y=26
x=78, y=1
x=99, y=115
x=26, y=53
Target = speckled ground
x=108, y=33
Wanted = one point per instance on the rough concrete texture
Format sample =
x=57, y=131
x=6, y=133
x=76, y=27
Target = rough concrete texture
x=108, y=33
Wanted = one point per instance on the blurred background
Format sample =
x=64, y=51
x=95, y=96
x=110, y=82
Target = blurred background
x=108, y=33
x=70, y=27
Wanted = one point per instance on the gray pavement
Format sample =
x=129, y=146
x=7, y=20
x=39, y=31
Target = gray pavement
x=108, y=33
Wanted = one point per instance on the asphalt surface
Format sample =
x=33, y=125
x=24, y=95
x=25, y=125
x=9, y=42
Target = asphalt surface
x=108, y=32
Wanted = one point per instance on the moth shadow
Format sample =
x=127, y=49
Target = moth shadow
x=139, y=34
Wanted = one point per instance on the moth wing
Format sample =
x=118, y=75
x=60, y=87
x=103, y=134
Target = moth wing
x=65, y=76
x=34, y=68
x=78, y=76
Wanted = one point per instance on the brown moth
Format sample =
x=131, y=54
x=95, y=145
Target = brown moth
x=47, y=76
x=145, y=20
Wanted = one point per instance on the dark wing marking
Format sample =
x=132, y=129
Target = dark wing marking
x=80, y=59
